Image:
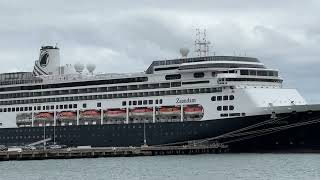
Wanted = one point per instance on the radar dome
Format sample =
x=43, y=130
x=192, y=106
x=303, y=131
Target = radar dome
x=91, y=67
x=79, y=67
x=184, y=52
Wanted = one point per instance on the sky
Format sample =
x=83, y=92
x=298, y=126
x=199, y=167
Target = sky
x=126, y=36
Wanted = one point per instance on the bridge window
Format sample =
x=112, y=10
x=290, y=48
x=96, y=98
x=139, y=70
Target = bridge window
x=244, y=72
x=253, y=72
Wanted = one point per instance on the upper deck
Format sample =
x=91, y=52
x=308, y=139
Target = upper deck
x=150, y=69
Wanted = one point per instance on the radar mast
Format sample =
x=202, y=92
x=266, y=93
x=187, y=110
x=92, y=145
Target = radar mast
x=201, y=43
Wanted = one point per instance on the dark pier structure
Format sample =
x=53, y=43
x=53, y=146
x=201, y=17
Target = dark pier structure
x=70, y=153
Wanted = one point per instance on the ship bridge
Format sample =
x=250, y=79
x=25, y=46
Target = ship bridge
x=229, y=61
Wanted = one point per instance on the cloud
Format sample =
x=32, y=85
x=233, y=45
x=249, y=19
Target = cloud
x=126, y=36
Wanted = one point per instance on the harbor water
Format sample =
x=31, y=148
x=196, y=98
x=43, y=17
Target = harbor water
x=184, y=167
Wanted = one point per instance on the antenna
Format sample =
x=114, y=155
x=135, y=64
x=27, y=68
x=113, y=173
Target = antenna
x=201, y=44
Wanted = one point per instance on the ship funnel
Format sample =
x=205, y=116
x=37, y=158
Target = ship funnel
x=49, y=61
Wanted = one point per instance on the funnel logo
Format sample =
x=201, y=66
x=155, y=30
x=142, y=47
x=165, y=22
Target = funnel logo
x=44, y=59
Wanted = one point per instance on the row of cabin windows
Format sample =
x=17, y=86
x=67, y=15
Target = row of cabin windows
x=38, y=108
x=232, y=114
x=114, y=96
x=142, y=102
x=96, y=90
x=75, y=84
x=258, y=73
x=91, y=90
x=225, y=108
x=249, y=79
x=224, y=98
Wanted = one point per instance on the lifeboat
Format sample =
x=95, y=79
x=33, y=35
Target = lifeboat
x=116, y=113
x=173, y=110
x=90, y=114
x=193, y=110
x=67, y=115
x=43, y=116
x=142, y=112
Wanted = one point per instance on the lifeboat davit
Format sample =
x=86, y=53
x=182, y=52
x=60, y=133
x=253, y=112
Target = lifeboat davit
x=193, y=110
x=67, y=115
x=142, y=112
x=43, y=116
x=170, y=110
x=116, y=113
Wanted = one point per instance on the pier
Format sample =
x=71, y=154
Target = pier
x=71, y=153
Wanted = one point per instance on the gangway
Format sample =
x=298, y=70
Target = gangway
x=40, y=142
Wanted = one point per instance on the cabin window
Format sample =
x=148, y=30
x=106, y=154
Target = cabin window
x=84, y=105
x=26, y=108
x=219, y=98
x=130, y=103
x=125, y=103
x=157, y=101
x=150, y=101
x=219, y=108
x=173, y=76
x=140, y=102
x=231, y=108
x=231, y=97
x=224, y=115
x=225, y=108
x=65, y=106
x=160, y=102
x=145, y=102
x=9, y=109
x=213, y=98
x=134, y=102
x=52, y=107
x=99, y=104
x=198, y=75
x=225, y=98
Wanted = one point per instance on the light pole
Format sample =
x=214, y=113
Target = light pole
x=144, y=133
x=44, y=134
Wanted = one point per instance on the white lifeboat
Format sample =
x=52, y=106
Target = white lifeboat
x=120, y=113
x=193, y=110
x=142, y=111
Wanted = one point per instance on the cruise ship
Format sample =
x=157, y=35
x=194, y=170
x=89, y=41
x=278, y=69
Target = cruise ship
x=188, y=99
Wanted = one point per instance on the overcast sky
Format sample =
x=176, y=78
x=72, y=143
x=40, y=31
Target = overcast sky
x=126, y=36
